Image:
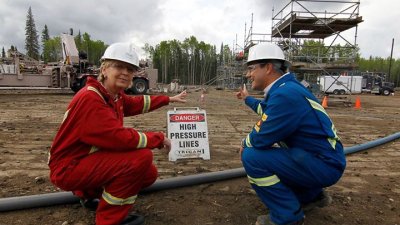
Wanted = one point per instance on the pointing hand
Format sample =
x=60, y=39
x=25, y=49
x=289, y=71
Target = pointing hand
x=243, y=93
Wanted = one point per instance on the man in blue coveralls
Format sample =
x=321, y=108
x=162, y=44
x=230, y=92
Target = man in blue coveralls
x=288, y=177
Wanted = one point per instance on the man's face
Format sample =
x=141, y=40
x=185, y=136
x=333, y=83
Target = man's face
x=257, y=74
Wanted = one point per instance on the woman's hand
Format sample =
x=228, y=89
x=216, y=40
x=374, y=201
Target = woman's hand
x=179, y=98
x=167, y=144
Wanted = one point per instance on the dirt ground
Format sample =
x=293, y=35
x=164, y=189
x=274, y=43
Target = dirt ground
x=368, y=193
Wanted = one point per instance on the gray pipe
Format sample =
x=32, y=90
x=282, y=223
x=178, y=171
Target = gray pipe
x=190, y=180
x=371, y=144
x=59, y=198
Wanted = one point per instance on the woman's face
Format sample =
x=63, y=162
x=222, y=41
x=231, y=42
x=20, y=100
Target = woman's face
x=118, y=76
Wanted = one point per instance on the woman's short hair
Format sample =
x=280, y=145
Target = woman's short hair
x=105, y=64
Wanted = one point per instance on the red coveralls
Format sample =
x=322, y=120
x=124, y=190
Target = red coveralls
x=94, y=156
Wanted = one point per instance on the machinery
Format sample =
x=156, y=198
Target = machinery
x=76, y=68
x=19, y=70
x=146, y=78
x=375, y=83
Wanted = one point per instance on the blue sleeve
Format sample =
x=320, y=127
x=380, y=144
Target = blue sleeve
x=254, y=104
x=280, y=119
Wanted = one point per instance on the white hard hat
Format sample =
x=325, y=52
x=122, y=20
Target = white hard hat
x=266, y=51
x=122, y=51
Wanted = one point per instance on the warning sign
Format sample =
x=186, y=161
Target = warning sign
x=187, y=129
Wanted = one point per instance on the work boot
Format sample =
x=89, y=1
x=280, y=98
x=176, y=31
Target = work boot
x=266, y=220
x=90, y=204
x=322, y=200
x=133, y=219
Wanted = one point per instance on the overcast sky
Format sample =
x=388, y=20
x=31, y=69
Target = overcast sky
x=211, y=21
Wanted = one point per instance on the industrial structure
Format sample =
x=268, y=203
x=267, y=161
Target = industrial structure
x=313, y=38
x=319, y=37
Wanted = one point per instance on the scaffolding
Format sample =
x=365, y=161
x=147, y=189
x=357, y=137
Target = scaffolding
x=314, y=35
x=252, y=38
x=230, y=76
x=311, y=33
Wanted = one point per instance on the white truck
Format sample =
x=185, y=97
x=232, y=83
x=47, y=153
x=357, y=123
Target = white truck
x=340, y=85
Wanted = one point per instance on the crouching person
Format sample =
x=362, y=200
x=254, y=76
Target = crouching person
x=288, y=179
x=94, y=155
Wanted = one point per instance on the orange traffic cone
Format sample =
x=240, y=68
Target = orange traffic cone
x=325, y=102
x=357, y=105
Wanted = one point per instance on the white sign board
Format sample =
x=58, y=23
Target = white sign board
x=187, y=129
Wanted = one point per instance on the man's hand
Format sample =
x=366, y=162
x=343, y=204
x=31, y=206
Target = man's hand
x=179, y=98
x=243, y=93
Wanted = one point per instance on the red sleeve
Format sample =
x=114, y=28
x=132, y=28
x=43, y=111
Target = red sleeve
x=101, y=128
x=134, y=105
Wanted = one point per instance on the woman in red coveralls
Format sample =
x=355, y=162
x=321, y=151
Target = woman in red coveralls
x=94, y=155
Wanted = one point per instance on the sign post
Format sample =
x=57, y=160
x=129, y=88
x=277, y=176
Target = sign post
x=187, y=129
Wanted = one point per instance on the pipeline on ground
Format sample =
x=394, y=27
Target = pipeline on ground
x=61, y=198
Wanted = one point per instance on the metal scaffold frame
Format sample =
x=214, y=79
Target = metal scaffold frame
x=298, y=22
x=301, y=22
x=251, y=38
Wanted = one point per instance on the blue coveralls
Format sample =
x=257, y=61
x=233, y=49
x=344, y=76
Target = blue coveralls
x=310, y=155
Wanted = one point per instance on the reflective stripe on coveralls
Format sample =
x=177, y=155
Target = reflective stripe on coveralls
x=141, y=144
x=283, y=144
x=263, y=118
x=259, y=109
x=93, y=149
x=146, y=103
x=142, y=140
x=318, y=107
x=65, y=116
x=90, y=88
x=248, y=143
x=112, y=200
x=264, y=181
x=146, y=107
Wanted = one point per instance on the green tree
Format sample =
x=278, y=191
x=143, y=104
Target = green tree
x=190, y=61
x=31, y=41
x=149, y=50
x=52, y=51
x=86, y=45
x=221, y=54
x=97, y=49
x=311, y=51
x=227, y=55
x=3, y=53
x=78, y=40
x=94, y=49
x=45, y=37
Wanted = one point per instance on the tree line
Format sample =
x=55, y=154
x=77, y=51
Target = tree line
x=90, y=49
x=191, y=61
x=51, y=50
